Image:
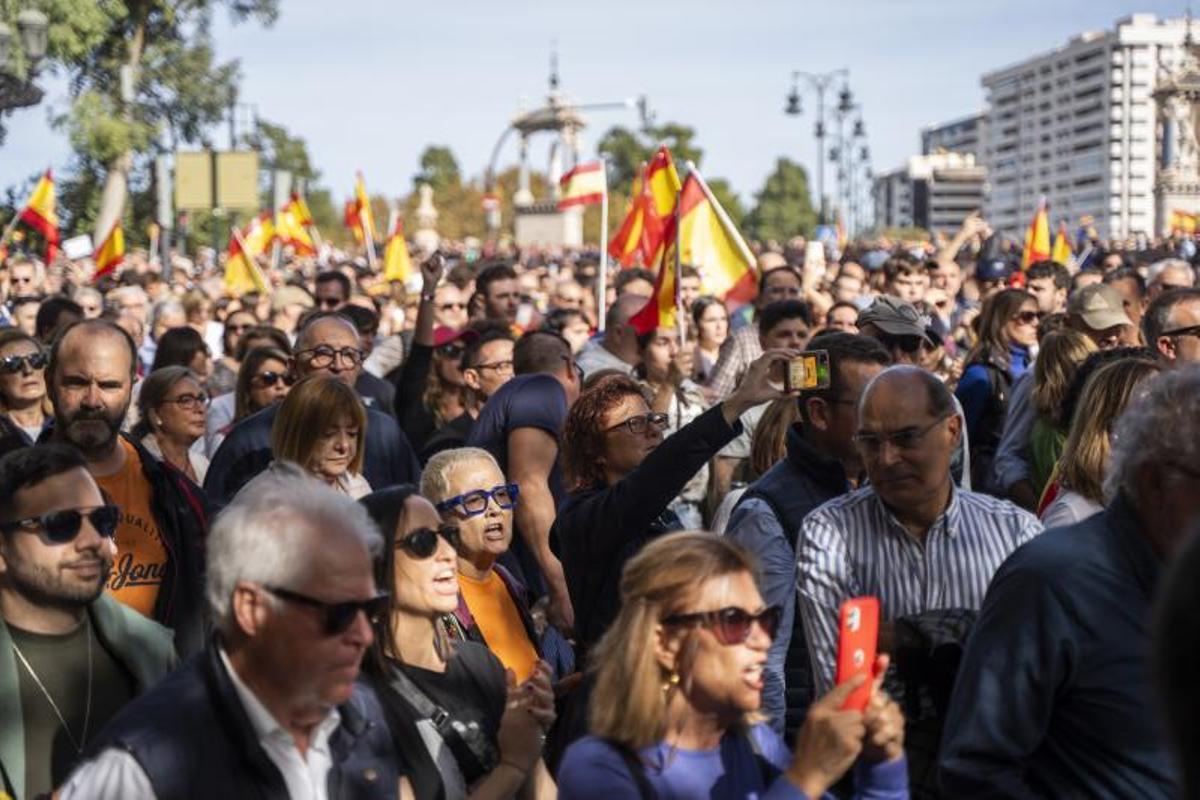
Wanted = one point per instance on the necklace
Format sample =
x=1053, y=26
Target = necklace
x=87, y=711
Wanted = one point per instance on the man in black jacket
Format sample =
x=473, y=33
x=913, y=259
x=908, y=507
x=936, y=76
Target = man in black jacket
x=164, y=516
x=821, y=464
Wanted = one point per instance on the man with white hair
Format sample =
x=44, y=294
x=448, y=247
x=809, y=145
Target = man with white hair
x=1053, y=697
x=271, y=708
x=1168, y=274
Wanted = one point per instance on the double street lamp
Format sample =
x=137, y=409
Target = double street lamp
x=16, y=91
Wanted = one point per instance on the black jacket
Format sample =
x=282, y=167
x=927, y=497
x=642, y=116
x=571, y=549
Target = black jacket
x=193, y=739
x=599, y=529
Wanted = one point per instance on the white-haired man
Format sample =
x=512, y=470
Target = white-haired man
x=271, y=707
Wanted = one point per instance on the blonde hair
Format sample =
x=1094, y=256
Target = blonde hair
x=768, y=444
x=435, y=479
x=312, y=404
x=1059, y=358
x=629, y=703
x=1105, y=395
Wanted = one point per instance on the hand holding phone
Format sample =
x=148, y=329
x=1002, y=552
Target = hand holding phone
x=858, y=639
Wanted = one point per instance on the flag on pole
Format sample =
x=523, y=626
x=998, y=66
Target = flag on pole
x=110, y=253
x=241, y=272
x=709, y=241
x=300, y=209
x=1062, y=246
x=625, y=247
x=583, y=185
x=40, y=214
x=660, y=309
x=1037, y=238
x=289, y=230
x=643, y=232
x=397, y=264
x=351, y=219
x=366, y=221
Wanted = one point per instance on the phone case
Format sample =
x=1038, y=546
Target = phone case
x=858, y=637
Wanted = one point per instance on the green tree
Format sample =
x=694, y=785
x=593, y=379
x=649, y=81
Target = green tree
x=439, y=168
x=783, y=207
x=626, y=150
x=728, y=200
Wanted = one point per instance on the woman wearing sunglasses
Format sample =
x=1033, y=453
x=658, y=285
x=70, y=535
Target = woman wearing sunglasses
x=1008, y=328
x=322, y=426
x=24, y=408
x=679, y=684
x=466, y=729
x=172, y=405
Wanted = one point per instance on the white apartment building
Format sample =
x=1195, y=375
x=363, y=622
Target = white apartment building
x=934, y=192
x=1078, y=126
x=964, y=135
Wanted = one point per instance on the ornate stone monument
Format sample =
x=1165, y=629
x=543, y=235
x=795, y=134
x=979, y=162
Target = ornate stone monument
x=1177, y=97
x=426, y=236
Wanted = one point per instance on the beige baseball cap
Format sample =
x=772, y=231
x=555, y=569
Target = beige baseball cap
x=1100, y=306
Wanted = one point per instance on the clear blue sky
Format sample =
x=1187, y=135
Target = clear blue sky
x=370, y=83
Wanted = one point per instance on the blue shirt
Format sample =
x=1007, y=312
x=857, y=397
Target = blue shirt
x=593, y=770
x=1053, y=697
x=974, y=389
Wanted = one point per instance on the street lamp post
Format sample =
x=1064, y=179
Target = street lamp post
x=819, y=83
x=19, y=91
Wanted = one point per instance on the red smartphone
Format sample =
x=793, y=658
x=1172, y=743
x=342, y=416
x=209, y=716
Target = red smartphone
x=858, y=636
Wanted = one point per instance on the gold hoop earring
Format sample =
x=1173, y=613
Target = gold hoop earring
x=671, y=683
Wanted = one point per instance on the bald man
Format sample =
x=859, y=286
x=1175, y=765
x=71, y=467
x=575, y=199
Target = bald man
x=327, y=344
x=618, y=347
x=164, y=517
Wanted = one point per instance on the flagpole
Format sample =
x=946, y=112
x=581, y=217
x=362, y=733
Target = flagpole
x=680, y=316
x=723, y=217
x=12, y=226
x=602, y=283
x=255, y=272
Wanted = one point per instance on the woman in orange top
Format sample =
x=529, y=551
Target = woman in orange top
x=468, y=489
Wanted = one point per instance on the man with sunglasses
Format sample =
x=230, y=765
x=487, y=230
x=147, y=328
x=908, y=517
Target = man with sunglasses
x=1171, y=326
x=332, y=290
x=71, y=656
x=327, y=344
x=925, y=548
x=164, y=516
x=272, y=706
x=487, y=364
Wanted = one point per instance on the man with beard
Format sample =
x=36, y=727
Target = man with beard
x=70, y=655
x=163, y=515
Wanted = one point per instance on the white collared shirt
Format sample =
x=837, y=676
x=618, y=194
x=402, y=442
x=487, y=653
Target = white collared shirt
x=117, y=775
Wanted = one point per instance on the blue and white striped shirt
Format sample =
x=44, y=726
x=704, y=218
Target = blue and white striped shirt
x=854, y=546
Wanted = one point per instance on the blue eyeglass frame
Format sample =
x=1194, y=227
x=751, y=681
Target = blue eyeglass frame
x=514, y=491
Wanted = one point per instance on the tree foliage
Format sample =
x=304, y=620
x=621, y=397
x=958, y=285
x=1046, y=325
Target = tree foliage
x=439, y=168
x=783, y=207
x=626, y=150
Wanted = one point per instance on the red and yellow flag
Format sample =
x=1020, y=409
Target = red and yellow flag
x=110, y=253
x=709, y=241
x=1062, y=246
x=625, y=247
x=397, y=264
x=366, y=222
x=583, y=185
x=350, y=218
x=290, y=230
x=40, y=214
x=659, y=311
x=1037, y=238
x=300, y=209
x=241, y=272
x=642, y=234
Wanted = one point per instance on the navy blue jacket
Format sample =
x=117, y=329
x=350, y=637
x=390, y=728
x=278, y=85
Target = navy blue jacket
x=1053, y=697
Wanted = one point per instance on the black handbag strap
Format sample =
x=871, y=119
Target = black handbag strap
x=421, y=702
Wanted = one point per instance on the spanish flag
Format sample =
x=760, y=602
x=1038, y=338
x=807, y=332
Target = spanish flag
x=1037, y=238
x=110, y=253
x=242, y=274
x=659, y=311
x=1062, y=246
x=644, y=230
x=363, y=207
x=397, y=265
x=625, y=247
x=709, y=241
x=289, y=230
x=40, y=214
x=583, y=185
x=300, y=209
x=351, y=219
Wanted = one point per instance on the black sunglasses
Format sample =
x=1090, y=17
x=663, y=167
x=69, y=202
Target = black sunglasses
x=268, y=379
x=450, y=350
x=422, y=543
x=906, y=344
x=11, y=365
x=61, y=527
x=338, y=616
x=731, y=625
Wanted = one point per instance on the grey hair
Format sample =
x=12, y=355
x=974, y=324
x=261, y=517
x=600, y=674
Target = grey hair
x=435, y=480
x=1157, y=269
x=1160, y=426
x=87, y=291
x=273, y=531
x=116, y=294
x=164, y=307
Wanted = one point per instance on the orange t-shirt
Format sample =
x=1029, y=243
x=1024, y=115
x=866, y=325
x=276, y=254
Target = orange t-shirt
x=141, y=556
x=496, y=614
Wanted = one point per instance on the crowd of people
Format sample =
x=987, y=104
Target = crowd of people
x=480, y=535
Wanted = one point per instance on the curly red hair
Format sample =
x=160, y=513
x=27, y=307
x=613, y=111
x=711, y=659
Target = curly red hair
x=583, y=433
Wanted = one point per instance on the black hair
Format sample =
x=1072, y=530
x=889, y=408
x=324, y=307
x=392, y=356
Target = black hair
x=557, y=319
x=628, y=276
x=702, y=304
x=487, y=333
x=1154, y=321
x=1089, y=366
x=540, y=351
x=29, y=466
x=774, y=313
x=178, y=347
x=843, y=348
x=366, y=321
x=261, y=332
x=1124, y=274
x=95, y=325
x=331, y=275
x=51, y=311
x=386, y=507
x=843, y=304
x=491, y=274
x=1049, y=269
x=762, y=279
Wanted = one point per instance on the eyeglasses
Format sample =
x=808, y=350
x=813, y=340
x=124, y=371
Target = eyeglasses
x=60, y=527
x=11, y=365
x=323, y=356
x=905, y=344
x=189, y=402
x=637, y=425
x=1027, y=317
x=579, y=373
x=338, y=616
x=1190, y=330
x=423, y=542
x=451, y=306
x=731, y=625
x=499, y=366
x=450, y=350
x=905, y=439
x=237, y=328
x=328, y=302
x=22, y=279
x=474, y=503
x=267, y=379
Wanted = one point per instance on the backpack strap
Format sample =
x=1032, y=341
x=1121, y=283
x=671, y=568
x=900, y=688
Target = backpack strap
x=636, y=769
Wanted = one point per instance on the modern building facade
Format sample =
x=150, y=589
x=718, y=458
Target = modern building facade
x=963, y=135
x=934, y=192
x=1078, y=126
